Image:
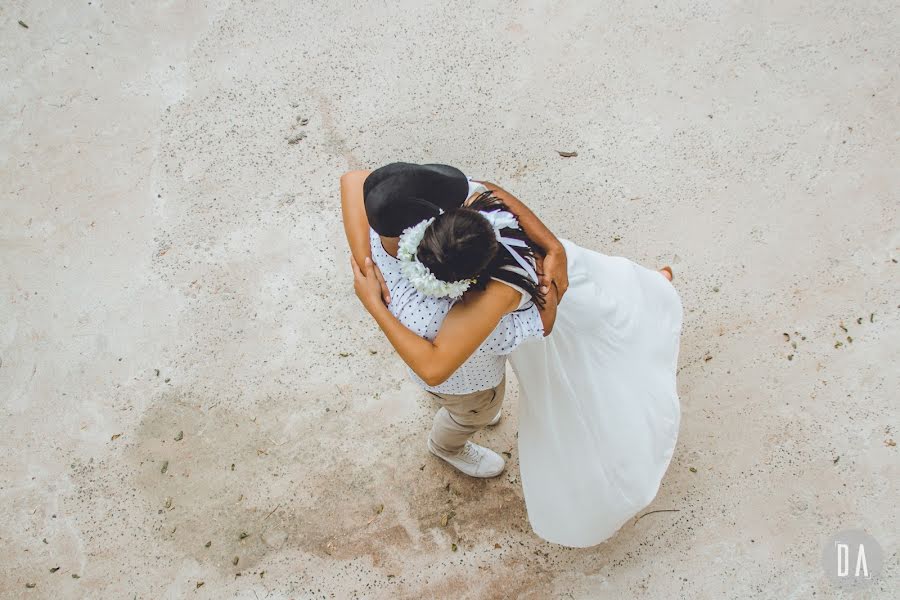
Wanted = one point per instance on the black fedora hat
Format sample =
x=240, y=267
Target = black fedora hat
x=399, y=195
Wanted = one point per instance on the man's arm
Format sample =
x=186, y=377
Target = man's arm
x=551, y=301
x=555, y=269
x=356, y=224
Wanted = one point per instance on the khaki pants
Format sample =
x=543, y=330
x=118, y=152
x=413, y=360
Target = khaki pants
x=461, y=415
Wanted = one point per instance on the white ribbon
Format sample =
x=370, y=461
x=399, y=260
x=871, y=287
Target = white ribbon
x=500, y=219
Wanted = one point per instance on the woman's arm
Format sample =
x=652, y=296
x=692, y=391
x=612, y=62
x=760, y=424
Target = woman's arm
x=466, y=327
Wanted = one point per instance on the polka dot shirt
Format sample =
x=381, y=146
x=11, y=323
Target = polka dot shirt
x=423, y=315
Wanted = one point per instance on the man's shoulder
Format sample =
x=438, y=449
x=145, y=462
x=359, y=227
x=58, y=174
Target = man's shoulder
x=412, y=299
x=413, y=308
x=384, y=261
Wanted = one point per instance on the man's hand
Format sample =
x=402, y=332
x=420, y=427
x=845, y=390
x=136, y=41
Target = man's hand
x=555, y=266
x=555, y=272
x=369, y=284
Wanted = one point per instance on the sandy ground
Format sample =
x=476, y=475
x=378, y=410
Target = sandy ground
x=170, y=263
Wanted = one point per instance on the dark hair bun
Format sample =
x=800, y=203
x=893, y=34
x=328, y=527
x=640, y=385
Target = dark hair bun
x=460, y=244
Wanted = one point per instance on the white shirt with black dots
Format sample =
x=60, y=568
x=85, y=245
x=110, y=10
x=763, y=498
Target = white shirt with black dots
x=424, y=315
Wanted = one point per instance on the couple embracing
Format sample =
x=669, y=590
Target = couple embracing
x=460, y=276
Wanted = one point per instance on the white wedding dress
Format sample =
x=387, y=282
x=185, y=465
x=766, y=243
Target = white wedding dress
x=599, y=411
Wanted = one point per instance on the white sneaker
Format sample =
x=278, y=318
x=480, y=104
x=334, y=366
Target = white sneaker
x=496, y=419
x=473, y=460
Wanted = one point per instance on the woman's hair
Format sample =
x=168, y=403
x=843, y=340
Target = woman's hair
x=461, y=244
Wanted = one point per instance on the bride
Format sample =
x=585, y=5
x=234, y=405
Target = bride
x=599, y=411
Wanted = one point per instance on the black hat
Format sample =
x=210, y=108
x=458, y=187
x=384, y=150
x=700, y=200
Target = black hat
x=399, y=195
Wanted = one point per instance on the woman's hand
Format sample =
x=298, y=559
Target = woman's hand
x=369, y=285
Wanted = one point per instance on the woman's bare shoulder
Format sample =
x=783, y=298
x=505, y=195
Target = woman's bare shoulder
x=496, y=295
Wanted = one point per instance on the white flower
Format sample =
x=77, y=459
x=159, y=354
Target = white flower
x=410, y=239
x=500, y=219
x=418, y=274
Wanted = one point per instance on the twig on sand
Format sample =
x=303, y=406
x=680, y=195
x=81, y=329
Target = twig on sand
x=270, y=513
x=657, y=511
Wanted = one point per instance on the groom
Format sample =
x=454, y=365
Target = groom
x=400, y=195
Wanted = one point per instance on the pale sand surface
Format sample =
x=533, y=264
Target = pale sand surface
x=154, y=217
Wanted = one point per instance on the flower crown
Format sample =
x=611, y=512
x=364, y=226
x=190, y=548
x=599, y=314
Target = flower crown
x=418, y=274
x=424, y=280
